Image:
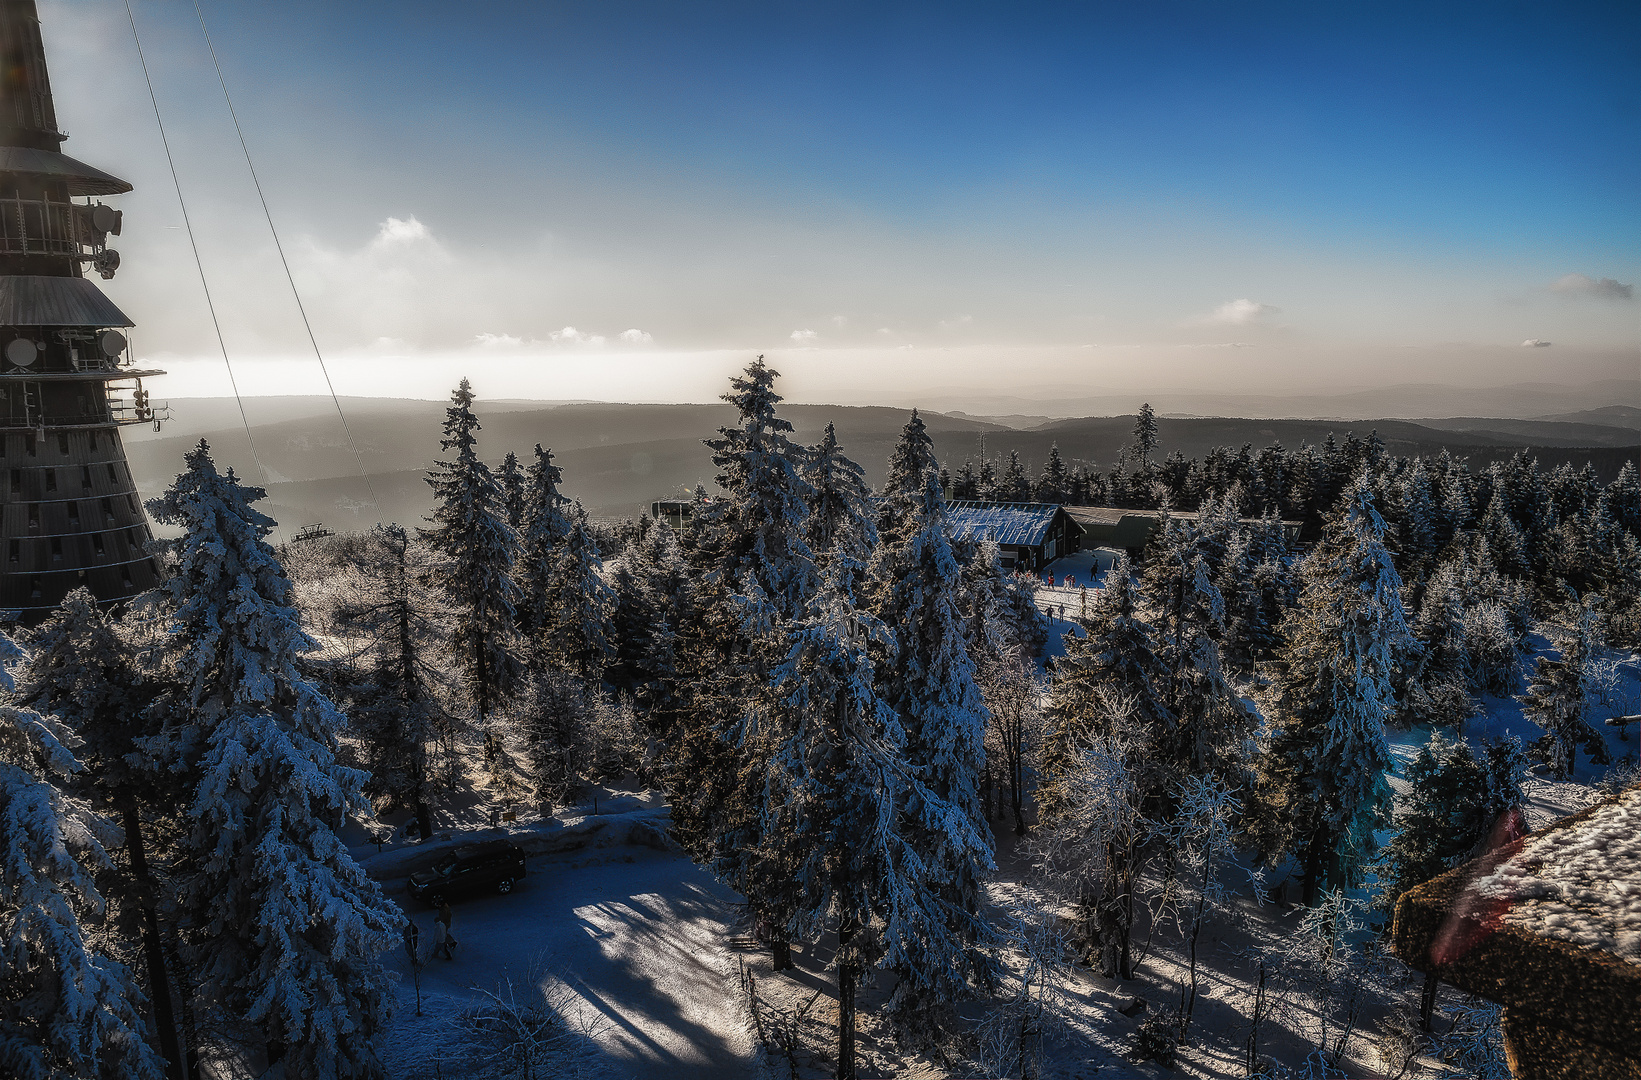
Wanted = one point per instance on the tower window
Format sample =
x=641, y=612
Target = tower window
x=135, y=507
x=62, y=442
x=15, y=551
x=108, y=512
x=34, y=586
x=56, y=549
x=112, y=474
x=16, y=481
x=85, y=477
x=74, y=515
x=34, y=515
x=51, y=479
x=96, y=544
x=28, y=444
x=91, y=436
x=125, y=577
x=131, y=538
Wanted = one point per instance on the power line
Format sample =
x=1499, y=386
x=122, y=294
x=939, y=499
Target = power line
x=198, y=263
x=358, y=458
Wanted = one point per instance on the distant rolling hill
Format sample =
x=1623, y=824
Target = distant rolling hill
x=619, y=457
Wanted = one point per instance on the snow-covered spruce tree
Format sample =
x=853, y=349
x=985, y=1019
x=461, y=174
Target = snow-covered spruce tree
x=511, y=481
x=283, y=928
x=758, y=525
x=471, y=534
x=757, y=576
x=902, y=494
x=1054, y=482
x=556, y=710
x=831, y=800
x=76, y=667
x=1435, y=687
x=929, y=682
x=651, y=586
x=1454, y=802
x=546, y=525
x=1015, y=486
x=1321, y=775
x=1186, y=614
x=396, y=709
x=65, y=1009
x=580, y=606
x=840, y=510
x=1258, y=588
x=1557, y=698
x=1145, y=438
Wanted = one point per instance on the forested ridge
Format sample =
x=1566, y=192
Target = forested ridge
x=843, y=701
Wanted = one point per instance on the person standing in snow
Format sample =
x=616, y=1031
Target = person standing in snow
x=443, y=940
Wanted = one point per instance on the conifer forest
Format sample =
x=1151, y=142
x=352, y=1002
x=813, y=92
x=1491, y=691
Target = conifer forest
x=802, y=779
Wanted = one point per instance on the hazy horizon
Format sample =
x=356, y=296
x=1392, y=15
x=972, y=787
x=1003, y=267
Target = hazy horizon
x=629, y=201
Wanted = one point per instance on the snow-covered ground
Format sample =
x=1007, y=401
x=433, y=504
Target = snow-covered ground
x=635, y=941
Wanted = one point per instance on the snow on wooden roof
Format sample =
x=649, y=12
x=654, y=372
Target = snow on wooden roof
x=1017, y=524
x=1581, y=885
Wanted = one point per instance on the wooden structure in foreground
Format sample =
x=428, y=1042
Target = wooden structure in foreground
x=1571, y=1011
x=69, y=512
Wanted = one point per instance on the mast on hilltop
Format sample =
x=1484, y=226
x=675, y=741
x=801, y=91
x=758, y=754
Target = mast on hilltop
x=69, y=511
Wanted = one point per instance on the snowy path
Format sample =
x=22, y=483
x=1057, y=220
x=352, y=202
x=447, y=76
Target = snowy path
x=638, y=936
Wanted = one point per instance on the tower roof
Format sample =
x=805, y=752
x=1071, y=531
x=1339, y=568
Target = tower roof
x=82, y=179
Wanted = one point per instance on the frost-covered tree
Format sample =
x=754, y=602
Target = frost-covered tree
x=651, y=586
x=77, y=667
x=1322, y=771
x=902, y=494
x=1557, y=698
x=757, y=576
x=579, y=605
x=929, y=682
x=1454, y=801
x=511, y=481
x=1186, y=613
x=282, y=927
x=840, y=510
x=965, y=484
x=1015, y=486
x=1089, y=845
x=757, y=528
x=546, y=526
x=471, y=534
x=397, y=709
x=1109, y=697
x=830, y=805
x=1054, y=482
x=66, y=1009
x=1145, y=437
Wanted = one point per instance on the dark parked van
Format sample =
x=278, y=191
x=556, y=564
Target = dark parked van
x=491, y=867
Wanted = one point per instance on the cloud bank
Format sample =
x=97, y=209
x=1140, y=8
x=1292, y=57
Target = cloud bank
x=1581, y=285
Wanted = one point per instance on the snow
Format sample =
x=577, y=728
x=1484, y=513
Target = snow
x=1580, y=884
x=634, y=942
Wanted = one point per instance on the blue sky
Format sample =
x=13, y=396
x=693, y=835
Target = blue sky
x=882, y=196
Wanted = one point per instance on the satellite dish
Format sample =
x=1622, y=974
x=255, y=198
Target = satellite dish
x=22, y=352
x=111, y=342
x=105, y=219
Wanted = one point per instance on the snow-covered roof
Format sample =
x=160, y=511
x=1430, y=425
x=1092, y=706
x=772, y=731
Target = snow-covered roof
x=1019, y=524
x=1580, y=884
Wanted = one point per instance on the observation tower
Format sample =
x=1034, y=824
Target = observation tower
x=69, y=512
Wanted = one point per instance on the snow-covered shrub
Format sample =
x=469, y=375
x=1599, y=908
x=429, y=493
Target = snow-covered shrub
x=1157, y=1038
x=1494, y=648
x=1474, y=1045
